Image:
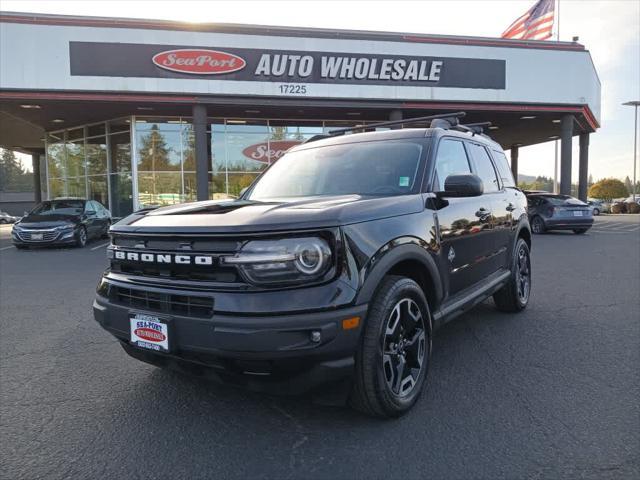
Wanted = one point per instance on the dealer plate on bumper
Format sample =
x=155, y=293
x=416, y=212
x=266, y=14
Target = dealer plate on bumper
x=149, y=332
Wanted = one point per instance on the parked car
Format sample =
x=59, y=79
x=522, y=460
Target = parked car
x=337, y=263
x=598, y=207
x=558, y=212
x=6, y=218
x=63, y=221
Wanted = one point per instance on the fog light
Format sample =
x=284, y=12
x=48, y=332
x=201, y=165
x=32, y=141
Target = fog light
x=315, y=336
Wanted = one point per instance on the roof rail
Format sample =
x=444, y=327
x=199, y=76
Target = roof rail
x=446, y=121
x=453, y=116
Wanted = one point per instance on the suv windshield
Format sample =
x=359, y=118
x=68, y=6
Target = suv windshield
x=59, y=207
x=371, y=168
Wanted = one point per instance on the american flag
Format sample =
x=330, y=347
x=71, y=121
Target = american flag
x=535, y=24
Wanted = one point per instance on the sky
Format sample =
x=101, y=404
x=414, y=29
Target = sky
x=609, y=29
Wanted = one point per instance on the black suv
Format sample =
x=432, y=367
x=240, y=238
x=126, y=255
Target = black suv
x=338, y=263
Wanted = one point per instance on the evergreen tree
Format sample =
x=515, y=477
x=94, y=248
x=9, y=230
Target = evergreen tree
x=628, y=184
x=13, y=176
x=154, y=152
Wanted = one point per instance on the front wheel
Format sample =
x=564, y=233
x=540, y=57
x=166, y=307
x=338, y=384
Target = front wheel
x=393, y=358
x=81, y=237
x=514, y=296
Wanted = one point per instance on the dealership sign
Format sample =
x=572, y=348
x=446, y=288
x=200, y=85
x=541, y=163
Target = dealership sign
x=198, y=61
x=269, y=151
x=290, y=66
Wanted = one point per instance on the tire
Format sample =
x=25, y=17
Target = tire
x=2, y=221
x=580, y=231
x=81, y=237
x=378, y=390
x=596, y=211
x=514, y=296
x=537, y=225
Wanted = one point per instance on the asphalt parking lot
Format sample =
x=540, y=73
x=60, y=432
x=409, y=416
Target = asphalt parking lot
x=552, y=392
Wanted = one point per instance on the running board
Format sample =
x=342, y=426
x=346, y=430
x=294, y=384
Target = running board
x=469, y=298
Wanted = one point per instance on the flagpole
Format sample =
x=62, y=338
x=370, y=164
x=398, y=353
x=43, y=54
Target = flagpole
x=555, y=165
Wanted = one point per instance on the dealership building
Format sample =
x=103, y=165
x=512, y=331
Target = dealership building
x=137, y=113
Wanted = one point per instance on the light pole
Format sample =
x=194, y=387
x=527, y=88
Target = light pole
x=635, y=104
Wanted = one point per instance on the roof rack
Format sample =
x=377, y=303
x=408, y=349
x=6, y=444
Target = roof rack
x=452, y=119
x=447, y=121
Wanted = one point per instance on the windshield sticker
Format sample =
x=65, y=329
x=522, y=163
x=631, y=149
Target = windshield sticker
x=404, y=182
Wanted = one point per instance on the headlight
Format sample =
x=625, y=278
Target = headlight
x=68, y=226
x=287, y=260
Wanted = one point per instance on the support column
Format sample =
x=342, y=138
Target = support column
x=566, y=134
x=583, y=170
x=37, y=190
x=514, y=162
x=202, y=160
x=395, y=115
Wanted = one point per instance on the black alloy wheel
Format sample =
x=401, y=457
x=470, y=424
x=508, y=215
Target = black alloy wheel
x=404, y=346
x=515, y=294
x=393, y=358
x=81, y=237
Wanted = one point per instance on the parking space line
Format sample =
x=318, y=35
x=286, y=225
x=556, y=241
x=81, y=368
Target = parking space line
x=6, y=248
x=100, y=246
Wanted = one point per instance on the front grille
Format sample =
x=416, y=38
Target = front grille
x=185, y=305
x=177, y=245
x=47, y=235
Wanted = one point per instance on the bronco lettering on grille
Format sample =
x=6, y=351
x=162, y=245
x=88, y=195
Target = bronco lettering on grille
x=164, y=258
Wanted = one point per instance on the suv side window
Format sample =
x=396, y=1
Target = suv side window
x=450, y=160
x=484, y=167
x=503, y=169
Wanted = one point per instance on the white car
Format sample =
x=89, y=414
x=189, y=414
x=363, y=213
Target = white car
x=6, y=218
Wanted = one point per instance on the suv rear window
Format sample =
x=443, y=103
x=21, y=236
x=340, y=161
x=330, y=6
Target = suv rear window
x=559, y=200
x=503, y=169
x=450, y=160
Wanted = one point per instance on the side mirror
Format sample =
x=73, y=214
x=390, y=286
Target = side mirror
x=465, y=185
x=90, y=213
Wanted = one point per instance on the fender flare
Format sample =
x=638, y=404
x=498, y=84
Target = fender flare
x=389, y=256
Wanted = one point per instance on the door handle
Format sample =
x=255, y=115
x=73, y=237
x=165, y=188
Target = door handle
x=483, y=214
x=510, y=207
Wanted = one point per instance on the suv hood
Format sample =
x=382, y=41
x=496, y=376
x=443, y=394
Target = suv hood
x=250, y=216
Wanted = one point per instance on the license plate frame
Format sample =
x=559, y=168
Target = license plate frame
x=37, y=236
x=577, y=213
x=150, y=332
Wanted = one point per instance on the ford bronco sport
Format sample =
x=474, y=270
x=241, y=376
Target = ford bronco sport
x=338, y=263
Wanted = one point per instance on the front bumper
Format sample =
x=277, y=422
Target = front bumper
x=271, y=353
x=54, y=238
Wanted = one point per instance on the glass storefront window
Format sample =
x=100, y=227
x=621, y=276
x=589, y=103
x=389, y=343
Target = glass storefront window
x=76, y=159
x=159, y=188
x=120, y=144
x=98, y=189
x=96, y=150
x=55, y=156
x=76, y=187
x=121, y=203
x=158, y=146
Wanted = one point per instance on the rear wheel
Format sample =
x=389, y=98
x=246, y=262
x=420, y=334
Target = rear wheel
x=596, y=211
x=537, y=225
x=514, y=296
x=81, y=237
x=393, y=358
x=579, y=231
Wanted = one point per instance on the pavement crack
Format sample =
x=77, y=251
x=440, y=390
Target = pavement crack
x=302, y=437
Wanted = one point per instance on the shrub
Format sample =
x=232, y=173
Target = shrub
x=619, y=207
x=633, y=207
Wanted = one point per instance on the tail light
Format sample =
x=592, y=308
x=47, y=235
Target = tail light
x=550, y=211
